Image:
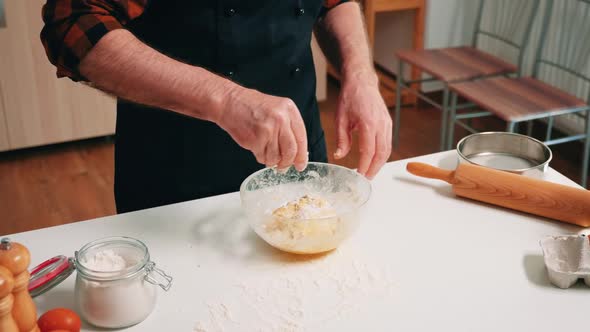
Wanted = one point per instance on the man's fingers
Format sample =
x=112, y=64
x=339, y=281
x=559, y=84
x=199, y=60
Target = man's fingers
x=366, y=149
x=343, y=137
x=300, y=135
x=287, y=147
x=272, y=154
x=382, y=152
x=259, y=154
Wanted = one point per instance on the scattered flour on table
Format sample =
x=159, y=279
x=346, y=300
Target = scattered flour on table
x=300, y=295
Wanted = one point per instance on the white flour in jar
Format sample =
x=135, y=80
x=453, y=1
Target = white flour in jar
x=120, y=302
x=106, y=261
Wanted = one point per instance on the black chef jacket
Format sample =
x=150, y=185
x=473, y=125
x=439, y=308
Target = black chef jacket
x=162, y=157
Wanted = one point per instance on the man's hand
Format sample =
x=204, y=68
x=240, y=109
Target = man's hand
x=271, y=127
x=362, y=108
x=341, y=35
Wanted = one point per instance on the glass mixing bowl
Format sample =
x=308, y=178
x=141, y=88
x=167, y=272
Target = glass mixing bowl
x=345, y=190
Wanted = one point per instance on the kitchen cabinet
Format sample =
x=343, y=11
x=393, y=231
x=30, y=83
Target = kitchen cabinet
x=3, y=133
x=39, y=108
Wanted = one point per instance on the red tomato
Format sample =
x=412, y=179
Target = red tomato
x=60, y=319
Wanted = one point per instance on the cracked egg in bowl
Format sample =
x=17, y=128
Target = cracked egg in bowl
x=306, y=212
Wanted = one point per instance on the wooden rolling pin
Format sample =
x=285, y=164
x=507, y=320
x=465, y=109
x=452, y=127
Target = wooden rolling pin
x=513, y=191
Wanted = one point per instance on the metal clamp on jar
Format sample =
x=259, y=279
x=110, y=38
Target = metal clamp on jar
x=115, y=284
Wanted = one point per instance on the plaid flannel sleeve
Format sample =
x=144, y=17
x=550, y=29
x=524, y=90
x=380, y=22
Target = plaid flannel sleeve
x=73, y=27
x=329, y=4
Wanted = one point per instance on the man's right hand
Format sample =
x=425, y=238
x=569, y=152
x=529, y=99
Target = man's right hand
x=271, y=127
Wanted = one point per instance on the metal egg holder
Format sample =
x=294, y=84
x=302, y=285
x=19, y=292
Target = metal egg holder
x=567, y=259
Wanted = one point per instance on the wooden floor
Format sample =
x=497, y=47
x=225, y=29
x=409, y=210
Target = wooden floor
x=65, y=183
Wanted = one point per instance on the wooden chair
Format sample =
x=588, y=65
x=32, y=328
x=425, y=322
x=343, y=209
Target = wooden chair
x=563, y=54
x=507, y=22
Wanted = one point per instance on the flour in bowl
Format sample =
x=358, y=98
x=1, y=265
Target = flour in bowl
x=306, y=225
x=306, y=207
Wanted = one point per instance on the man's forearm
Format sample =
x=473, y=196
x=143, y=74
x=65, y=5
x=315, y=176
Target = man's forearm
x=342, y=37
x=341, y=34
x=124, y=66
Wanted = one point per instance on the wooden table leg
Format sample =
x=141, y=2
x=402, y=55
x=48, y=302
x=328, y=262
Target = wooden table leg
x=369, y=11
x=418, y=44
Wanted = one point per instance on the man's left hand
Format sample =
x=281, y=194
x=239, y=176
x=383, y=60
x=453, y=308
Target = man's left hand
x=361, y=108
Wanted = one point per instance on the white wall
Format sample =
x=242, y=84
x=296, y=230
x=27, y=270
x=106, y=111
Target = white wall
x=450, y=22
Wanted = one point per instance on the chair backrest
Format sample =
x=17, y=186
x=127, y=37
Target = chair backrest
x=506, y=21
x=563, y=54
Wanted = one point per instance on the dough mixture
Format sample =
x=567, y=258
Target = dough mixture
x=305, y=225
x=306, y=207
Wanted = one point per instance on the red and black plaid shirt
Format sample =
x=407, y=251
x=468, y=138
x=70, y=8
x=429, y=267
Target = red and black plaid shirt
x=73, y=27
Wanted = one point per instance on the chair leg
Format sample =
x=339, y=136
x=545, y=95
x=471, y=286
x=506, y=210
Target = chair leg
x=445, y=117
x=451, y=124
x=586, y=154
x=511, y=126
x=529, y=128
x=398, y=104
x=549, y=128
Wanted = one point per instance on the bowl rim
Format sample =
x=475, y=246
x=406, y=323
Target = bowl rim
x=541, y=165
x=358, y=206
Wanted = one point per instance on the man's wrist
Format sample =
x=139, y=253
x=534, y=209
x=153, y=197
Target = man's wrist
x=359, y=75
x=211, y=95
x=225, y=101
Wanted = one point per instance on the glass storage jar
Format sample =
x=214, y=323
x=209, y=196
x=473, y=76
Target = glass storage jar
x=109, y=298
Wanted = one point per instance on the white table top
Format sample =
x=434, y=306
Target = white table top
x=422, y=260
